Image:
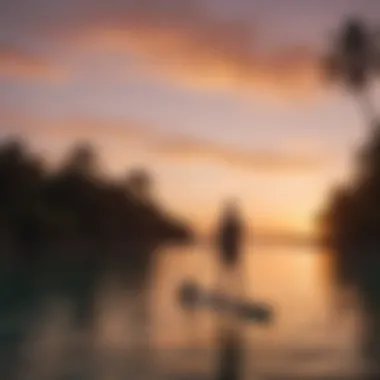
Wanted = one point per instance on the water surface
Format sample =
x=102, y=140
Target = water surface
x=96, y=323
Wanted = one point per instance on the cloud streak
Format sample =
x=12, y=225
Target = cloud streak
x=120, y=135
x=178, y=40
x=71, y=129
x=209, y=54
x=190, y=151
x=21, y=64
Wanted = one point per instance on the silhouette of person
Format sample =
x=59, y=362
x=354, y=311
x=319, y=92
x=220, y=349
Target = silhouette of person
x=230, y=234
x=229, y=241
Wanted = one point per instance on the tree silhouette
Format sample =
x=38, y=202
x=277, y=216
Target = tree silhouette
x=352, y=215
x=354, y=60
x=140, y=184
x=351, y=219
x=81, y=160
x=75, y=204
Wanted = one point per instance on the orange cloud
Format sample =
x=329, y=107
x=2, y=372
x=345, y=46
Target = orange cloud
x=193, y=151
x=18, y=64
x=201, y=51
x=178, y=40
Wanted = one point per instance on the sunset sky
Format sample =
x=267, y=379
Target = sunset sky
x=216, y=98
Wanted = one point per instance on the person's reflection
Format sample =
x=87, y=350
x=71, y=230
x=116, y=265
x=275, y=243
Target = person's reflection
x=230, y=360
x=229, y=241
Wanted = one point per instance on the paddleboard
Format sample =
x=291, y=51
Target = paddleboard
x=193, y=296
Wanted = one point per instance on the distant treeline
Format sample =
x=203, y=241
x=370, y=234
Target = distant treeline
x=75, y=205
x=351, y=220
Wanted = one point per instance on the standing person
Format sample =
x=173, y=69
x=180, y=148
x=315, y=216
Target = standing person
x=230, y=234
x=229, y=242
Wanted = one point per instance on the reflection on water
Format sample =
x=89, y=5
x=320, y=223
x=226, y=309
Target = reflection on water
x=99, y=323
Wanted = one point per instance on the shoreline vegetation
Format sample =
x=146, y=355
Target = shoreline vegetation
x=350, y=225
x=351, y=219
x=75, y=210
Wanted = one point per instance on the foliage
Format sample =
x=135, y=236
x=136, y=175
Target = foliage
x=75, y=204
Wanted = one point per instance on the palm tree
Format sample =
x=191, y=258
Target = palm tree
x=353, y=60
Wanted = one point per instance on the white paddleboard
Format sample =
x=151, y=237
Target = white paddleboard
x=192, y=296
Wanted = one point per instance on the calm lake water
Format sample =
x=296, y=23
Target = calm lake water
x=102, y=328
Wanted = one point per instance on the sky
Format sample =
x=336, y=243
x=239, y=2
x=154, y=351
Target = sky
x=216, y=98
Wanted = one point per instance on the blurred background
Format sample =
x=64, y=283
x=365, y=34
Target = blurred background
x=230, y=145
